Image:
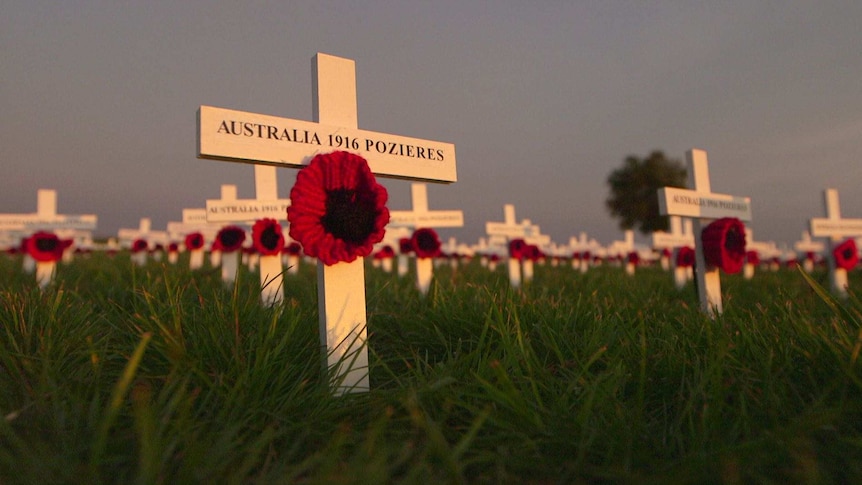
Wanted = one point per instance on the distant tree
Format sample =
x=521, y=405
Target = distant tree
x=633, y=190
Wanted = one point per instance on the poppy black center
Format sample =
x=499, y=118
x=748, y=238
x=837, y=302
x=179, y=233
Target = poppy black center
x=269, y=238
x=848, y=253
x=230, y=238
x=733, y=240
x=197, y=240
x=349, y=216
x=46, y=245
x=426, y=241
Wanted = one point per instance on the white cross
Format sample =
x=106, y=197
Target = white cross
x=510, y=229
x=255, y=138
x=702, y=205
x=46, y=217
x=804, y=246
x=421, y=217
x=834, y=228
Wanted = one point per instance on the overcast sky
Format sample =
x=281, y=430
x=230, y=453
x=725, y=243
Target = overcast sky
x=542, y=102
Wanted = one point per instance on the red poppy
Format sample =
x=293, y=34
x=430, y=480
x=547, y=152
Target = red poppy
x=633, y=257
x=752, y=257
x=173, y=247
x=846, y=254
x=386, y=252
x=194, y=241
x=724, y=244
x=533, y=253
x=517, y=249
x=45, y=246
x=405, y=245
x=230, y=238
x=586, y=256
x=338, y=210
x=425, y=242
x=293, y=249
x=267, y=237
x=665, y=253
x=685, y=257
x=140, y=245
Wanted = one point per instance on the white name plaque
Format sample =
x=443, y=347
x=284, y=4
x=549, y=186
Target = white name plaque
x=246, y=209
x=691, y=203
x=240, y=136
x=821, y=227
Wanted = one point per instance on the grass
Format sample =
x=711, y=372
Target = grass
x=121, y=374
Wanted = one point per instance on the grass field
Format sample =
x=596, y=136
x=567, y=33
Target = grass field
x=121, y=374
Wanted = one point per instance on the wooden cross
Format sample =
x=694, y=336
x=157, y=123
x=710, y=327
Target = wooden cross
x=420, y=217
x=834, y=228
x=261, y=139
x=702, y=205
x=265, y=204
x=805, y=246
x=510, y=229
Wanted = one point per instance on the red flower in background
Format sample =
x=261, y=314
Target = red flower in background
x=293, y=249
x=685, y=257
x=230, y=238
x=633, y=257
x=425, y=242
x=140, y=245
x=405, y=245
x=45, y=246
x=752, y=257
x=173, y=247
x=846, y=254
x=194, y=241
x=267, y=237
x=338, y=210
x=724, y=244
x=517, y=249
x=386, y=252
x=533, y=253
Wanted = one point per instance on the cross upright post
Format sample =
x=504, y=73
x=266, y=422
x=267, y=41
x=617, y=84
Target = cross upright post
x=835, y=228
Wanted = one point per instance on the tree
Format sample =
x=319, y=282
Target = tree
x=634, y=198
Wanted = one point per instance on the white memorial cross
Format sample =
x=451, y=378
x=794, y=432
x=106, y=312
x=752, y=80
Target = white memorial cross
x=702, y=205
x=806, y=246
x=47, y=219
x=834, y=228
x=266, y=204
x=254, y=138
x=145, y=232
x=421, y=217
x=510, y=229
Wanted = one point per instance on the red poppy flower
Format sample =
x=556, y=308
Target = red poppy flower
x=140, y=245
x=425, y=242
x=724, y=244
x=386, y=252
x=685, y=257
x=752, y=257
x=230, y=238
x=45, y=246
x=586, y=256
x=267, y=237
x=633, y=257
x=173, y=247
x=293, y=249
x=194, y=241
x=517, y=249
x=405, y=245
x=338, y=210
x=532, y=252
x=846, y=254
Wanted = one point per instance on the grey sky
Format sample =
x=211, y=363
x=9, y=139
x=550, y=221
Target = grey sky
x=542, y=102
